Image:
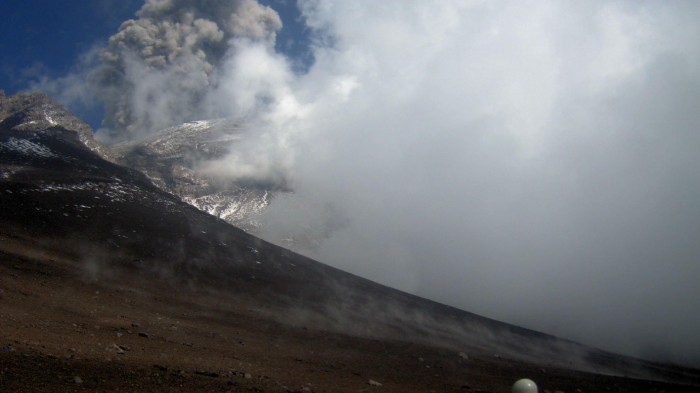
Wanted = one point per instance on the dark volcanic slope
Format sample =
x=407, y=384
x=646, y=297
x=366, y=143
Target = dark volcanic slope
x=68, y=213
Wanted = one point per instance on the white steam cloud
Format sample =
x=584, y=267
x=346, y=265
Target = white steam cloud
x=535, y=162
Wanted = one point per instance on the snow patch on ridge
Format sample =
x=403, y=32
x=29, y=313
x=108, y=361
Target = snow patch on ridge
x=244, y=209
x=27, y=147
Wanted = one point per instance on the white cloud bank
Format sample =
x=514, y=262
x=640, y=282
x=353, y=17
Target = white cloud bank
x=536, y=162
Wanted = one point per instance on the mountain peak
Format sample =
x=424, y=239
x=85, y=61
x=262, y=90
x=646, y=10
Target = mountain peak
x=37, y=112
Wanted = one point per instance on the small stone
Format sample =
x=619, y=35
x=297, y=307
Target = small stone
x=248, y=376
x=463, y=356
x=144, y=334
x=135, y=325
x=372, y=382
x=207, y=374
x=78, y=380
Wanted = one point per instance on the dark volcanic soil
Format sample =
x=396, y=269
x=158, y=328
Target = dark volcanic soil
x=109, y=284
x=64, y=330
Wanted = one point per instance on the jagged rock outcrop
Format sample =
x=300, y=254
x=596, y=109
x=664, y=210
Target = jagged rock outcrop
x=37, y=112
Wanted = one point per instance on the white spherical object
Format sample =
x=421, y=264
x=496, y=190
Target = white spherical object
x=525, y=386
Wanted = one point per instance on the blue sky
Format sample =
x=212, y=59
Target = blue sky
x=44, y=37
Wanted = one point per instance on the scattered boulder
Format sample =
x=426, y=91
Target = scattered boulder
x=372, y=382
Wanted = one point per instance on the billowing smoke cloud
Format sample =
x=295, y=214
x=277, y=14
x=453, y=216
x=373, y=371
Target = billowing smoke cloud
x=535, y=162
x=161, y=68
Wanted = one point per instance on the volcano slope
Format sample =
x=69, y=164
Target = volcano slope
x=109, y=284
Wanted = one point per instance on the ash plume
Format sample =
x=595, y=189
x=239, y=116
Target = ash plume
x=160, y=67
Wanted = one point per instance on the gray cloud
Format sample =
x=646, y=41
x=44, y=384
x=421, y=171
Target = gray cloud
x=158, y=68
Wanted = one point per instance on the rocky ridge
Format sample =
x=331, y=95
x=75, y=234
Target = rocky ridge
x=37, y=112
x=172, y=158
